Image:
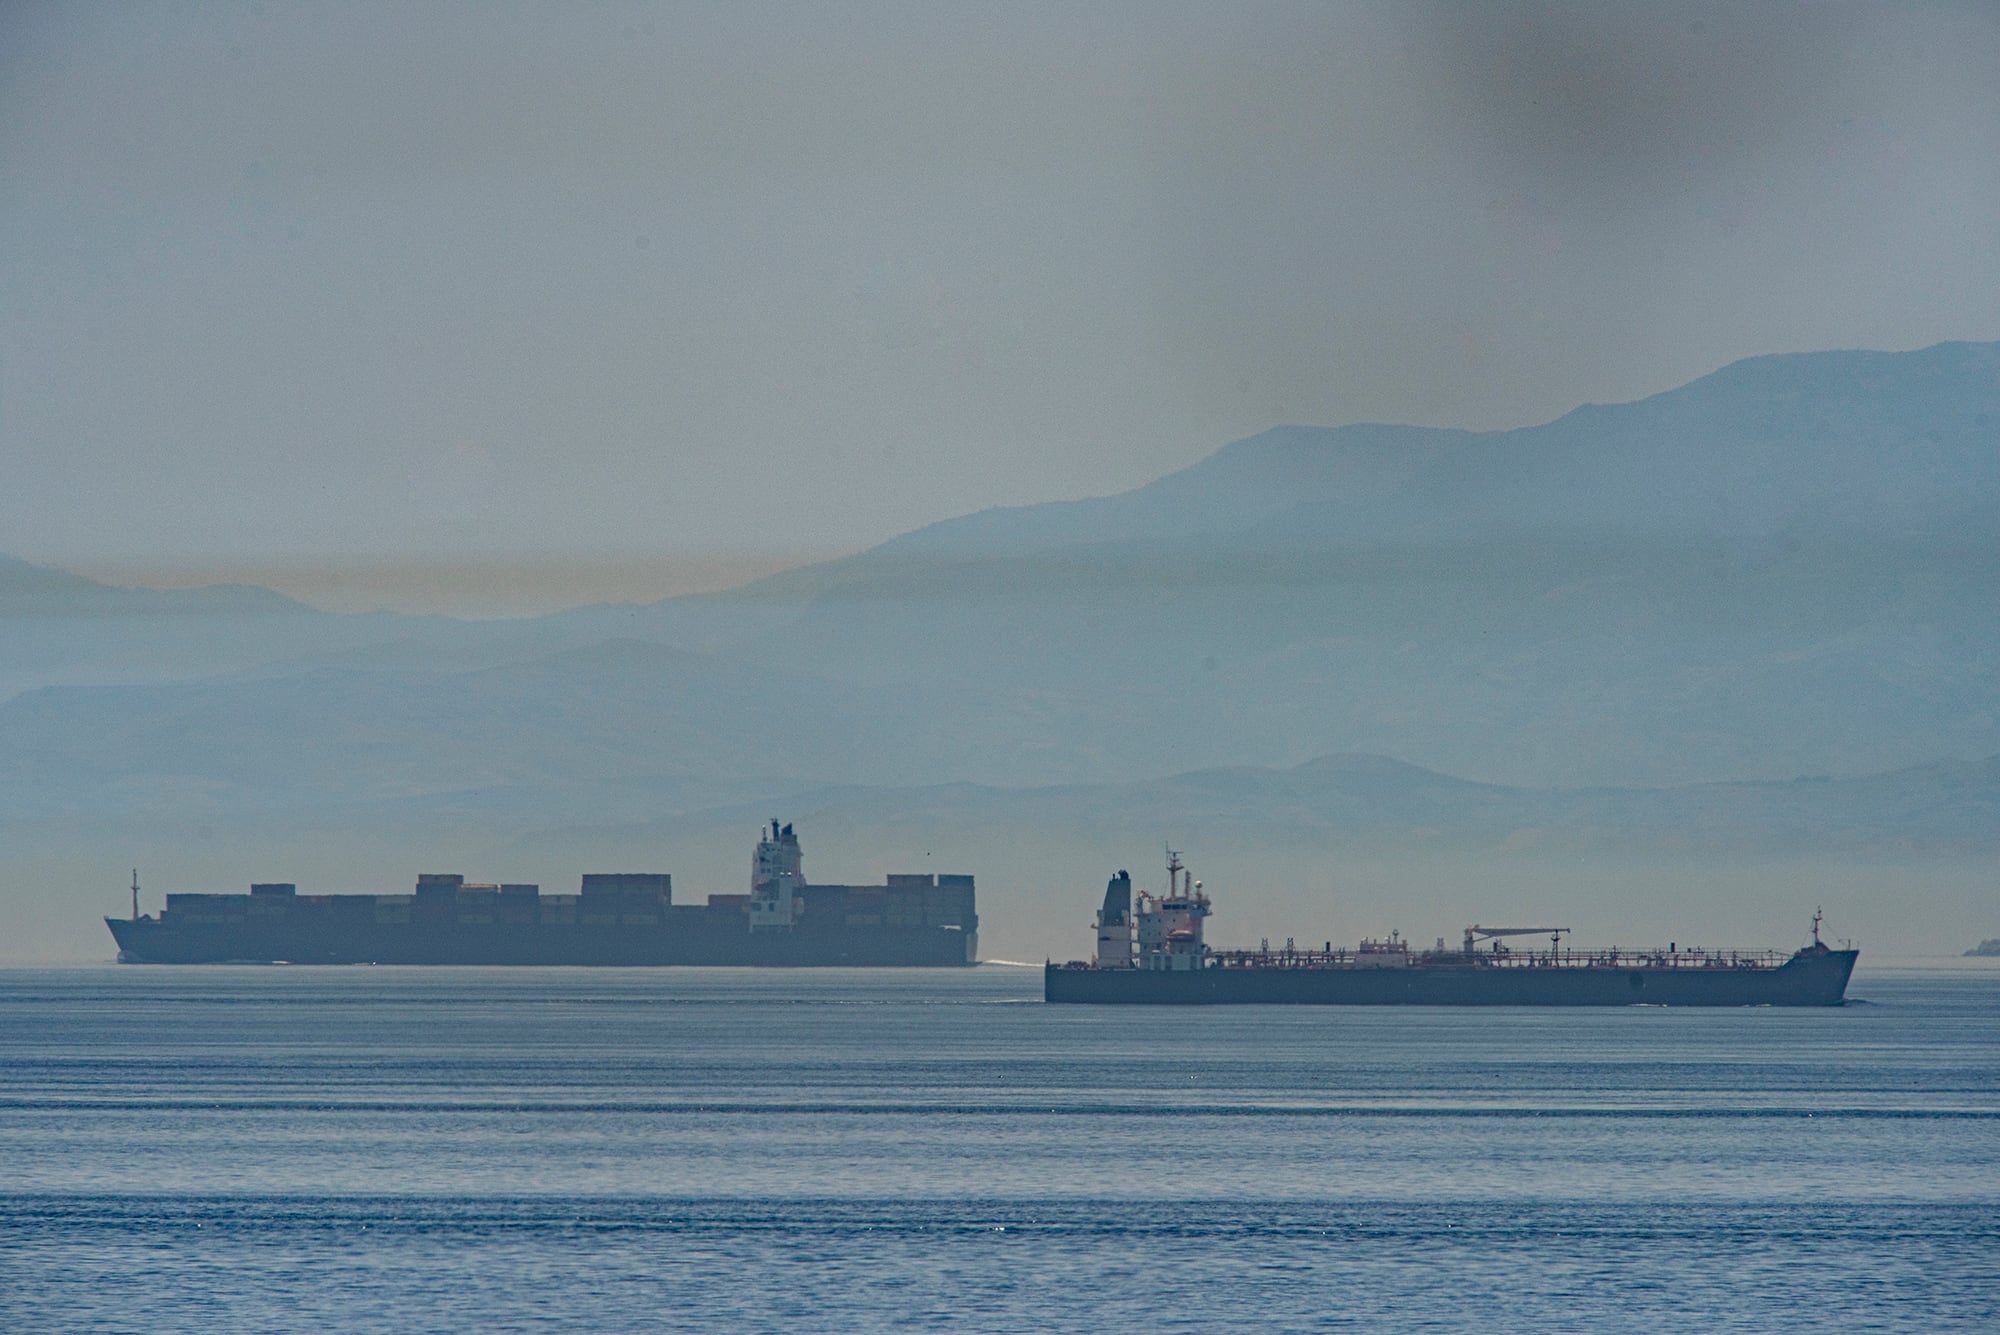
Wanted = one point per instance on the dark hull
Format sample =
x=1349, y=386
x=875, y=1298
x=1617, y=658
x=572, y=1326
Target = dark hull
x=1804, y=980
x=151, y=942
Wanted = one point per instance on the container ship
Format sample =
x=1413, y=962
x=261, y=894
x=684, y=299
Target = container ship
x=1152, y=953
x=626, y=918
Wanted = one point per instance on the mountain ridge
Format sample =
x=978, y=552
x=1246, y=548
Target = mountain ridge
x=1588, y=599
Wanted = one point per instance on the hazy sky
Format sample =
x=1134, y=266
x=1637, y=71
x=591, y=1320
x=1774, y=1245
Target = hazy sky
x=619, y=286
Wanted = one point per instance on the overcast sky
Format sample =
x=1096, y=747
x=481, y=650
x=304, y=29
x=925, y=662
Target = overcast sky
x=291, y=289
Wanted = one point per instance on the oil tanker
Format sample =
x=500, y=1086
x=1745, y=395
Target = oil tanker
x=624, y=918
x=1152, y=953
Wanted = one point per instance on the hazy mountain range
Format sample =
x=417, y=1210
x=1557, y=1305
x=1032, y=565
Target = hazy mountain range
x=1785, y=568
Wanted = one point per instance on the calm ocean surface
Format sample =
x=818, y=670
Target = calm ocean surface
x=278, y=1149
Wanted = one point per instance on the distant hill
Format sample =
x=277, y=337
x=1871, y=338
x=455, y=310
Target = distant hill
x=641, y=737
x=328, y=739
x=28, y=591
x=1784, y=567
x=1802, y=446
x=60, y=629
x=1370, y=805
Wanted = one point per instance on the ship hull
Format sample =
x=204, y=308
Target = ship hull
x=1804, y=980
x=152, y=942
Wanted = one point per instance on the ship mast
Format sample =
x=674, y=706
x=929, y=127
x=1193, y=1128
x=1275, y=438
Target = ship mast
x=135, y=894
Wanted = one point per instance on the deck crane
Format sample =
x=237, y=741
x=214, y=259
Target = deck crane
x=1475, y=933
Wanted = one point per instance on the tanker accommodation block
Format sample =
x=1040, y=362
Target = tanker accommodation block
x=624, y=918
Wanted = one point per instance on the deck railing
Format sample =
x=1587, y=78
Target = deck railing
x=1593, y=957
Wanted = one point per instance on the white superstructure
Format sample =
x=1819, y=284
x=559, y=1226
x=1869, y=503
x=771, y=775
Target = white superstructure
x=1170, y=924
x=776, y=875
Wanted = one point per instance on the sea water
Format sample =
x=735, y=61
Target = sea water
x=277, y=1149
